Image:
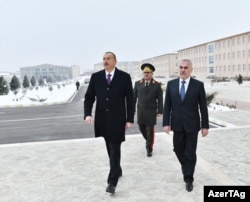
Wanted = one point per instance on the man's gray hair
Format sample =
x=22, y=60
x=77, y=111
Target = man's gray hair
x=187, y=60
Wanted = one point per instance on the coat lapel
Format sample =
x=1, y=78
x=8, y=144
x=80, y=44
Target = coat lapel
x=177, y=87
x=190, y=87
x=102, y=78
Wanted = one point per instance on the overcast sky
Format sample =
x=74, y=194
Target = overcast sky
x=78, y=32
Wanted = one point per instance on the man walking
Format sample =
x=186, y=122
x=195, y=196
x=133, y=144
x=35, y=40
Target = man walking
x=185, y=102
x=148, y=92
x=77, y=85
x=112, y=89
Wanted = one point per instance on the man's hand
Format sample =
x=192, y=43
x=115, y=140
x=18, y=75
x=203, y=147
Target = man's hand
x=204, y=132
x=166, y=129
x=128, y=125
x=89, y=120
x=159, y=115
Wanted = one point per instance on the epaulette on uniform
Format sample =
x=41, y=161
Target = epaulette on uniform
x=155, y=82
x=140, y=81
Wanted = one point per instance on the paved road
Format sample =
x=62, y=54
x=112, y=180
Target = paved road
x=54, y=122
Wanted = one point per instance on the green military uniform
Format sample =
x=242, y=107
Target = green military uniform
x=149, y=101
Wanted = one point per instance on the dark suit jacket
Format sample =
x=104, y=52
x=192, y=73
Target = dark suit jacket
x=114, y=104
x=185, y=114
x=149, y=102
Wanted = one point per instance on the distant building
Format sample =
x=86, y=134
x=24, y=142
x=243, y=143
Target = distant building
x=47, y=70
x=226, y=57
x=165, y=65
x=75, y=71
x=129, y=67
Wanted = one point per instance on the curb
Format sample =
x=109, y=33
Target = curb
x=219, y=122
x=37, y=104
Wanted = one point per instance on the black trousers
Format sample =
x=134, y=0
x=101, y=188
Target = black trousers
x=185, y=145
x=114, y=153
x=149, y=135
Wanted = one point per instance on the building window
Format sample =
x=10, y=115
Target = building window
x=244, y=67
x=211, y=70
x=211, y=59
x=243, y=54
x=211, y=48
x=238, y=54
x=239, y=68
x=228, y=55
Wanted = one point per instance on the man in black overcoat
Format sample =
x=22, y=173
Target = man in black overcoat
x=112, y=90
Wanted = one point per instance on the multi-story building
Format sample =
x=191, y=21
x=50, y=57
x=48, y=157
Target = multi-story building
x=129, y=67
x=75, y=71
x=165, y=65
x=46, y=70
x=226, y=57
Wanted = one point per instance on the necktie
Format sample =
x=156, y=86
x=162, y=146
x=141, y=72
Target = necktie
x=146, y=85
x=109, y=78
x=182, y=92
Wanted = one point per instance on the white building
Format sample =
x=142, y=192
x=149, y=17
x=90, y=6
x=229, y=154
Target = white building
x=46, y=70
x=226, y=57
x=129, y=67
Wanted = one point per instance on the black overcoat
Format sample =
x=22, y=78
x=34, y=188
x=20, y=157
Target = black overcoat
x=114, y=104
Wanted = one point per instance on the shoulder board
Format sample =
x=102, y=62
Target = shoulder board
x=155, y=82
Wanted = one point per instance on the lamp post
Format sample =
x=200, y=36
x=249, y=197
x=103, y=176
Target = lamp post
x=4, y=89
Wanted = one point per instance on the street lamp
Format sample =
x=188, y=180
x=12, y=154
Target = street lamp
x=4, y=89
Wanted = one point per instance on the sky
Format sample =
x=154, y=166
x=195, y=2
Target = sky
x=78, y=32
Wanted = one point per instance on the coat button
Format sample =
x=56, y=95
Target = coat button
x=107, y=99
x=107, y=88
x=107, y=110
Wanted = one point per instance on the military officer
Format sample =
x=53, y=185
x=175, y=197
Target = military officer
x=149, y=99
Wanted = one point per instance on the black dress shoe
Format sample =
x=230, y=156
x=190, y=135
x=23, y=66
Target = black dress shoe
x=149, y=154
x=120, y=174
x=111, y=189
x=189, y=186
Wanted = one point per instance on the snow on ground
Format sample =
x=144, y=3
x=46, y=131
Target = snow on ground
x=62, y=92
x=50, y=94
x=215, y=107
